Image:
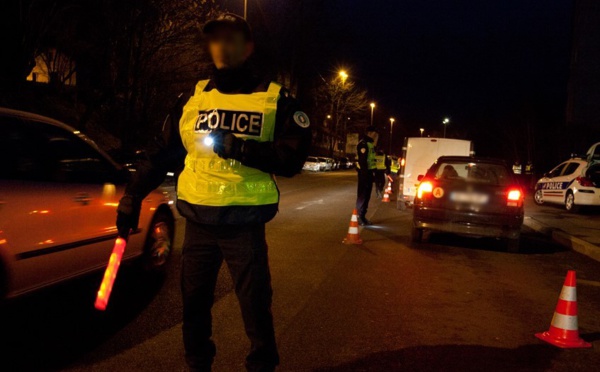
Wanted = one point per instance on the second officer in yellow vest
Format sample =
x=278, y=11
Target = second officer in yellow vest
x=232, y=136
x=365, y=167
x=381, y=169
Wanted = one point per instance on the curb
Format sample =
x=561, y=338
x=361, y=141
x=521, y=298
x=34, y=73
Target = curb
x=567, y=240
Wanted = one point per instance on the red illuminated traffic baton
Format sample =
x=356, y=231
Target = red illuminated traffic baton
x=111, y=273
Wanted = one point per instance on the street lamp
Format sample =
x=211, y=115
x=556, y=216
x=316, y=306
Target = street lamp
x=445, y=123
x=372, y=109
x=392, y=120
x=245, y=9
x=422, y=130
x=343, y=75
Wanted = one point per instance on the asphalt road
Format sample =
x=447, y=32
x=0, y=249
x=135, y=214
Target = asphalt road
x=450, y=304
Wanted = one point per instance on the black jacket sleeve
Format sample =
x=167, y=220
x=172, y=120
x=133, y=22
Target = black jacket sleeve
x=362, y=152
x=165, y=153
x=286, y=155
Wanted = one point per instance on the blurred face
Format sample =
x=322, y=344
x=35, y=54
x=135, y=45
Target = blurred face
x=229, y=48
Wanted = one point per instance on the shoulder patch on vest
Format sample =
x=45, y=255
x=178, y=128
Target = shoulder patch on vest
x=363, y=150
x=301, y=119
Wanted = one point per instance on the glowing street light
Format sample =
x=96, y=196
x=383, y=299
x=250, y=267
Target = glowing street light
x=343, y=75
x=392, y=120
x=422, y=130
x=372, y=109
x=445, y=123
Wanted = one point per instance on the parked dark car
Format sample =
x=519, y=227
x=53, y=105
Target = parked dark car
x=345, y=163
x=469, y=196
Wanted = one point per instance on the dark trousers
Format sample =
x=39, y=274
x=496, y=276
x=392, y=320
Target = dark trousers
x=379, y=180
x=244, y=249
x=365, y=186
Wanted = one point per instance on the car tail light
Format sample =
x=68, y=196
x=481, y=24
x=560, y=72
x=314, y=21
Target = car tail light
x=425, y=187
x=514, y=198
x=514, y=195
x=584, y=181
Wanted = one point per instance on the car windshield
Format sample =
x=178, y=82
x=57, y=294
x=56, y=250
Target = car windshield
x=491, y=174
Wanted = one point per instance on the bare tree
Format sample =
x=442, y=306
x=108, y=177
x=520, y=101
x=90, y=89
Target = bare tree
x=346, y=105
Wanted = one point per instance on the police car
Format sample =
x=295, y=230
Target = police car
x=573, y=183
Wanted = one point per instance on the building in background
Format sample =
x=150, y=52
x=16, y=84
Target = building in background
x=53, y=67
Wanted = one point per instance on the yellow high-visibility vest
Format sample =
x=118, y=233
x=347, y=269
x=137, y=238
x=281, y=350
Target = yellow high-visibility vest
x=380, y=162
x=210, y=180
x=395, y=166
x=371, y=160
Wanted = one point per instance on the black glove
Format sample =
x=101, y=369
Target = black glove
x=226, y=145
x=128, y=214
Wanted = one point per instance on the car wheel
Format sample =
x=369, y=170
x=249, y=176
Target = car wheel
x=416, y=235
x=538, y=197
x=570, y=203
x=158, y=246
x=513, y=245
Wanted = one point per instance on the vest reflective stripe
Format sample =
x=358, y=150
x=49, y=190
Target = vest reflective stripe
x=371, y=161
x=380, y=162
x=209, y=180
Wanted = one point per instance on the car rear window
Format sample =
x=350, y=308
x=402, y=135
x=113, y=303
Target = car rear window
x=487, y=173
x=312, y=159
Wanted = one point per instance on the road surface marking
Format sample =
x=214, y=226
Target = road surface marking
x=309, y=203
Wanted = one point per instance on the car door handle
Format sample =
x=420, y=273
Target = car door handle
x=83, y=198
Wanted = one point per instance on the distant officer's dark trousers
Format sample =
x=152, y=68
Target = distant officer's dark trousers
x=379, y=180
x=365, y=186
x=244, y=249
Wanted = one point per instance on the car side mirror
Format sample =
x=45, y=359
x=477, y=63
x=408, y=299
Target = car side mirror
x=420, y=177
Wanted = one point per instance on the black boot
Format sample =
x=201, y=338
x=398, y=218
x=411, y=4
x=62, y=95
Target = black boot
x=362, y=220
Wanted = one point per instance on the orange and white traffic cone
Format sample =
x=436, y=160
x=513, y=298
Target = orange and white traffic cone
x=386, y=195
x=353, y=237
x=564, y=330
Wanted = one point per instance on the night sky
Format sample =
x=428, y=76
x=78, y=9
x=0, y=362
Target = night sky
x=479, y=62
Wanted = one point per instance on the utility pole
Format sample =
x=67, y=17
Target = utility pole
x=246, y=9
x=445, y=124
x=392, y=120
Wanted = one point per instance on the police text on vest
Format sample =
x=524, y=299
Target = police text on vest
x=238, y=122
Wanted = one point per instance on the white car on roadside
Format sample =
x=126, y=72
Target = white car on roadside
x=312, y=164
x=573, y=183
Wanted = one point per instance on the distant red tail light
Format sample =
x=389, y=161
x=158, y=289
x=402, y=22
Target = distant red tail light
x=514, y=198
x=514, y=194
x=584, y=181
x=425, y=187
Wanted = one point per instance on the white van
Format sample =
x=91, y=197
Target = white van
x=419, y=154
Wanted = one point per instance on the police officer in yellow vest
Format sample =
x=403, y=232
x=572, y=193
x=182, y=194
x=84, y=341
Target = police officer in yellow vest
x=381, y=169
x=365, y=167
x=234, y=134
